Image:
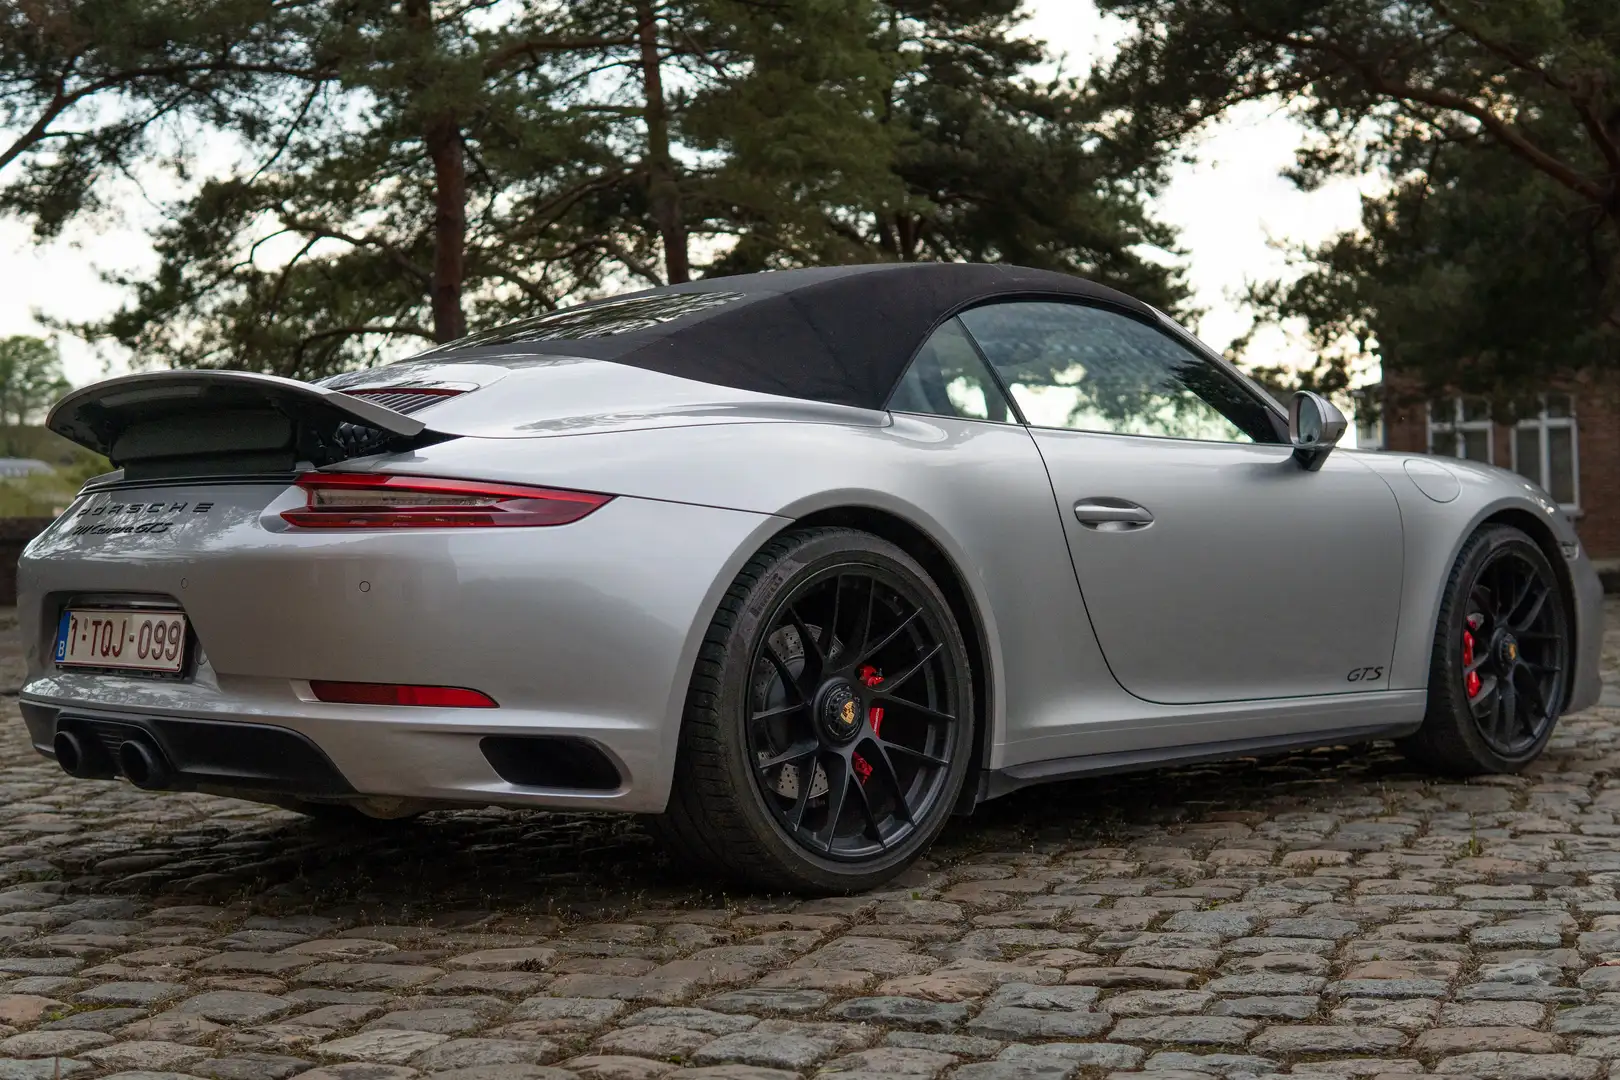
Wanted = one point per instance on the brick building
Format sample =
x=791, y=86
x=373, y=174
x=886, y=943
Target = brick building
x=1570, y=446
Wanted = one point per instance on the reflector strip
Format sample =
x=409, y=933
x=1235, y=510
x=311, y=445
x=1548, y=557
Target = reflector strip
x=364, y=693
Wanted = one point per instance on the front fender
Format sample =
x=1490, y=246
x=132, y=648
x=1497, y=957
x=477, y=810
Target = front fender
x=1434, y=532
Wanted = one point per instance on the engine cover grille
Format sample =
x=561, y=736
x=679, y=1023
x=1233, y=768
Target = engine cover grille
x=405, y=400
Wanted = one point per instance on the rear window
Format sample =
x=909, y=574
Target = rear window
x=606, y=319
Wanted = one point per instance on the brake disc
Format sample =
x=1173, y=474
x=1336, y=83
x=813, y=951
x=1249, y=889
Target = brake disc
x=787, y=781
x=790, y=647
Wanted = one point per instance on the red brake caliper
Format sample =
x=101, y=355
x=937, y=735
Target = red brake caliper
x=1471, y=681
x=870, y=677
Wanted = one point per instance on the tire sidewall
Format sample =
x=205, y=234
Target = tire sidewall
x=806, y=556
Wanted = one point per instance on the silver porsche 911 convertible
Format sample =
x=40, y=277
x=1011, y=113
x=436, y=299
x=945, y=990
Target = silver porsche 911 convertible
x=802, y=563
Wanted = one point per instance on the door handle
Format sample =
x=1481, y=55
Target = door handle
x=1112, y=515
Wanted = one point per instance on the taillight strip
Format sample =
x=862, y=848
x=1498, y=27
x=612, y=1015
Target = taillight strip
x=339, y=501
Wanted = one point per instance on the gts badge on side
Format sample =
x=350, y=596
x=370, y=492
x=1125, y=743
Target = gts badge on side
x=1365, y=674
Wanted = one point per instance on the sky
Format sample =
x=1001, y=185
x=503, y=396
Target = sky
x=1230, y=205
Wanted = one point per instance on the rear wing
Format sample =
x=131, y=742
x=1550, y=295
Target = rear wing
x=194, y=423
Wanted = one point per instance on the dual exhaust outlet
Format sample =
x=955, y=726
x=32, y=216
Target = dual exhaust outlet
x=136, y=758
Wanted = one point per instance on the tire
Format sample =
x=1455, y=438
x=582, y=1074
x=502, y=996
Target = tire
x=766, y=743
x=1519, y=645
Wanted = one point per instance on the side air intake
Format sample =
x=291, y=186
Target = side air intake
x=548, y=762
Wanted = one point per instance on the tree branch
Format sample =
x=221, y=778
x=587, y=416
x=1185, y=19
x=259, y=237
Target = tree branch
x=1509, y=135
x=1583, y=100
x=279, y=293
x=319, y=230
x=64, y=99
x=533, y=49
x=358, y=329
x=644, y=270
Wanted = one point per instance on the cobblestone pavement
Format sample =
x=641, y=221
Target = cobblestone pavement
x=1327, y=914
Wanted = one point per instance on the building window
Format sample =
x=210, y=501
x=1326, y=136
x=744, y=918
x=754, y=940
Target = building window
x=1369, y=415
x=1461, y=428
x=1545, y=450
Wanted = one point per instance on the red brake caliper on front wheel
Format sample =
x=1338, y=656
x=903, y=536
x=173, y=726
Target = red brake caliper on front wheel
x=1471, y=680
x=870, y=677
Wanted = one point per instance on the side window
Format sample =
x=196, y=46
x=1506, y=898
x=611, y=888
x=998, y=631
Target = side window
x=947, y=378
x=1091, y=369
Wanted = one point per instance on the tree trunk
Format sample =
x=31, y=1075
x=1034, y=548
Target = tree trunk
x=449, y=226
x=441, y=136
x=662, y=190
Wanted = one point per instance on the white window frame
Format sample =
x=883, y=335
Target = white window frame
x=1542, y=423
x=1442, y=432
x=1368, y=402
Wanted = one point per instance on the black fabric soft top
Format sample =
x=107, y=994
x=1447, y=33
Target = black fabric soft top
x=836, y=334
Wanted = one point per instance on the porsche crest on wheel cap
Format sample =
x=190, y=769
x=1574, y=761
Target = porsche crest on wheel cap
x=840, y=711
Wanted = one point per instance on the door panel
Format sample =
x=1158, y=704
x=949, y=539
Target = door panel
x=1224, y=571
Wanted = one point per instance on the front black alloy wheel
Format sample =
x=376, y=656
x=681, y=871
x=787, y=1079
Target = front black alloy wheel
x=829, y=722
x=1501, y=657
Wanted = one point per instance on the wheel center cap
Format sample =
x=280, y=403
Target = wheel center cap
x=1507, y=649
x=839, y=710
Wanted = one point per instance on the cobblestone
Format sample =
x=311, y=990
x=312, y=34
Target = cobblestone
x=1333, y=915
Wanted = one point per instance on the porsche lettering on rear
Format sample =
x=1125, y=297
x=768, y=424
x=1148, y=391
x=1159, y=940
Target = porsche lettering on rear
x=143, y=508
x=122, y=519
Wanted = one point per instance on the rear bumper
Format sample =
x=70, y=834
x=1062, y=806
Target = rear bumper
x=584, y=634
x=1587, y=684
x=192, y=755
x=338, y=759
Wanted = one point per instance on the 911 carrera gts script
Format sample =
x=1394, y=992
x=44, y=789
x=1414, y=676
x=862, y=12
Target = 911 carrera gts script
x=122, y=512
x=1365, y=674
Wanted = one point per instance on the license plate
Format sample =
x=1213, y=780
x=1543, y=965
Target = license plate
x=128, y=640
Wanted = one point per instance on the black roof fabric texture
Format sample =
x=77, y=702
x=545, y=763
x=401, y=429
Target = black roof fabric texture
x=837, y=334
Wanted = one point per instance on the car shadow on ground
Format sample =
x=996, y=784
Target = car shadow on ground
x=596, y=865
x=196, y=848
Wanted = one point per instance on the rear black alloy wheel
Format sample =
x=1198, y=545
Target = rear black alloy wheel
x=829, y=723
x=1501, y=656
x=854, y=716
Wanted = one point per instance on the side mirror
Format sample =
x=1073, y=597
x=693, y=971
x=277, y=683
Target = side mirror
x=1315, y=426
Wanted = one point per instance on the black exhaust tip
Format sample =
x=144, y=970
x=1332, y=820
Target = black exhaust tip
x=83, y=758
x=69, y=752
x=142, y=766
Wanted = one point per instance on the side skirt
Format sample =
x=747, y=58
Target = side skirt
x=994, y=784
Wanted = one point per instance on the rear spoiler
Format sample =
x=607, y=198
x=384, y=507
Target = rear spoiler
x=188, y=423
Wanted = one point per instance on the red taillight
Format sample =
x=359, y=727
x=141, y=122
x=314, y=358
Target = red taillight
x=368, y=693
x=376, y=501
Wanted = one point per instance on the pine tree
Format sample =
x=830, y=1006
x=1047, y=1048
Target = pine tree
x=407, y=169
x=1492, y=263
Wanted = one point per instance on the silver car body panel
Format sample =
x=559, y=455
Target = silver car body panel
x=592, y=629
x=541, y=396
x=583, y=630
x=1238, y=537
x=1434, y=534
